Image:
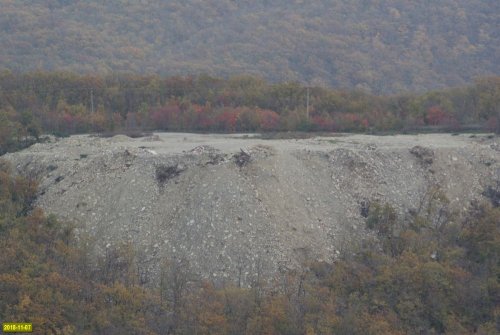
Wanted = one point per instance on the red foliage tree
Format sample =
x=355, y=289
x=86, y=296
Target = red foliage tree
x=322, y=123
x=204, y=119
x=268, y=120
x=166, y=117
x=437, y=116
x=227, y=119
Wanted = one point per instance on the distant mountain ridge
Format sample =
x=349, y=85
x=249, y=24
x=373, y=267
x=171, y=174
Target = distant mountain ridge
x=383, y=46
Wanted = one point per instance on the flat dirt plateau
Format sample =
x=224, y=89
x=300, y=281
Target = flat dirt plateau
x=239, y=206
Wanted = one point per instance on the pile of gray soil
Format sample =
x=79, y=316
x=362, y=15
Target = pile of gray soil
x=236, y=207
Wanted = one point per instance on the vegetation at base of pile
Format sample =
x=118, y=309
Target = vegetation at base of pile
x=430, y=272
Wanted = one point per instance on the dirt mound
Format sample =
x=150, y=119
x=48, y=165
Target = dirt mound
x=237, y=208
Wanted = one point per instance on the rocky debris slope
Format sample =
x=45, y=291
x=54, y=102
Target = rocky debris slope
x=239, y=207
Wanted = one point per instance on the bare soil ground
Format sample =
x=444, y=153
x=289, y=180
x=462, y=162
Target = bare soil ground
x=239, y=206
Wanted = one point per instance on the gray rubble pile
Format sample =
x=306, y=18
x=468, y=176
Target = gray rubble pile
x=238, y=208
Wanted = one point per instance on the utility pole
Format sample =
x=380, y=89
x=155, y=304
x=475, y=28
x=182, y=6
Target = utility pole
x=307, y=105
x=92, y=100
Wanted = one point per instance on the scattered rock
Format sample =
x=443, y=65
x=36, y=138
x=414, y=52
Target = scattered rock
x=364, y=208
x=242, y=158
x=488, y=161
x=51, y=167
x=152, y=138
x=425, y=155
x=215, y=159
x=165, y=172
x=493, y=194
x=203, y=149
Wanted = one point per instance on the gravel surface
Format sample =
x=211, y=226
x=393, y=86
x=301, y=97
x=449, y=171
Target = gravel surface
x=238, y=206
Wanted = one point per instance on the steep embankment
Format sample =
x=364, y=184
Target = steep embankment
x=241, y=214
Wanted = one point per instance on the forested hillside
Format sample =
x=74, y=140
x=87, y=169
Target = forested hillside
x=383, y=46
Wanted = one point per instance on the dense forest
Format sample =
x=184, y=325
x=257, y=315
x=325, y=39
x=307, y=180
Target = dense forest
x=428, y=273
x=383, y=46
x=65, y=103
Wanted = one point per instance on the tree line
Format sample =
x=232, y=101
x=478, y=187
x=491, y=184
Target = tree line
x=430, y=272
x=64, y=103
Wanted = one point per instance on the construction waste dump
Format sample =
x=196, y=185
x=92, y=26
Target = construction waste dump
x=236, y=207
